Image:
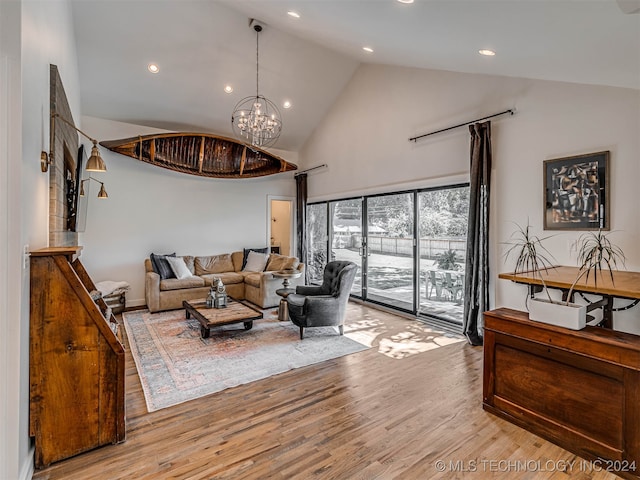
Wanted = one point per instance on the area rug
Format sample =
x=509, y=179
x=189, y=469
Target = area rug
x=176, y=365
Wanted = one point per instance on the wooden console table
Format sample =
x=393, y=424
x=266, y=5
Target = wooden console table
x=625, y=285
x=578, y=389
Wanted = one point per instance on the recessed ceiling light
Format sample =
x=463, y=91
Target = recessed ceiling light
x=153, y=68
x=293, y=14
x=405, y=1
x=228, y=89
x=287, y=104
x=487, y=53
x=368, y=49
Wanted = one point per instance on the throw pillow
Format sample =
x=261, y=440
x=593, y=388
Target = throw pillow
x=178, y=267
x=280, y=262
x=161, y=266
x=214, y=264
x=256, y=262
x=246, y=254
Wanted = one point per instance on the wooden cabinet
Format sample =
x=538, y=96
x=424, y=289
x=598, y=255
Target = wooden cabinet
x=76, y=360
x=578, y=389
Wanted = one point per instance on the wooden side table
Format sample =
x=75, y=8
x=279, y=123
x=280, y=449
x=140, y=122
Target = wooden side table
x=285, y=275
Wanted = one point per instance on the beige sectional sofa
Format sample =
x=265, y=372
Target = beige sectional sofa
x=257, y=287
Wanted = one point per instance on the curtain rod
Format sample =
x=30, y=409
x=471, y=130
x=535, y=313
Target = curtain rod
x=309, y=169
x=415, y=139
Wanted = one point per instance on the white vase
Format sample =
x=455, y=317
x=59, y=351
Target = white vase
x=561, y=314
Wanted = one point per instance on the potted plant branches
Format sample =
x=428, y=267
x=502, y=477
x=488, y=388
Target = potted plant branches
x=596, y=251
x=595, y=254
x=531, y=256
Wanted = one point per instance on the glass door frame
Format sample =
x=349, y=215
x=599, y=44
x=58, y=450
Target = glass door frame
x=330, y=256
x=364, y=247
x=365, y=229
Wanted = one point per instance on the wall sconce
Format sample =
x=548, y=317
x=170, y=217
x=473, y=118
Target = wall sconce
x=101, y=194
x=95, y=162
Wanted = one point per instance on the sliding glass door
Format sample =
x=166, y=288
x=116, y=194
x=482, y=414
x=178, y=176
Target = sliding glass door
x=346, y=236
x=444, y=216
x=410, y=247
x=389, y=248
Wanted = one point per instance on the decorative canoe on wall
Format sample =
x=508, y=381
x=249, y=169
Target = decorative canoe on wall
x=201, y=154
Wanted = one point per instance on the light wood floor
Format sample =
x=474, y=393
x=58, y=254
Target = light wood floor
x=369, y=415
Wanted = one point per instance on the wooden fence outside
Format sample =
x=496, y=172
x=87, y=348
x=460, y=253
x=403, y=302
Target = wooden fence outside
x=429, y=247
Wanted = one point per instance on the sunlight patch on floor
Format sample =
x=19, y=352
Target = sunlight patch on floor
x=400, y=342
x=406, y=344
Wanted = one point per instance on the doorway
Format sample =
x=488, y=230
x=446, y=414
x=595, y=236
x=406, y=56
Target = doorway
x=281, y=226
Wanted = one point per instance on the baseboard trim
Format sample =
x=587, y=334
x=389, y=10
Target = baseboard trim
x=26, y=469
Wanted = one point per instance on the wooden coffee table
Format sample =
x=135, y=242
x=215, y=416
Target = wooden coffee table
x=234, y=312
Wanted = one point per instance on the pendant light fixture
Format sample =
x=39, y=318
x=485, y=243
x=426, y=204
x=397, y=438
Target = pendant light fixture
x=256, y=119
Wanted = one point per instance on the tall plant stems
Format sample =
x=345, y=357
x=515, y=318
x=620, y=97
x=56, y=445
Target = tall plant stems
x=531, y=256
x=595, y=252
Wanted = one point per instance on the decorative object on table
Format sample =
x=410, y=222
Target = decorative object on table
x=176, y=364
x=595, y=252
x=576, y=192
x=255, y=118
x=324, y=305
x=531, y=255
x=286, y=275
x=627, y=286
x=220, y=296
x=209, y=301
x=533, y=259
x=559, y=313
x=201, y=154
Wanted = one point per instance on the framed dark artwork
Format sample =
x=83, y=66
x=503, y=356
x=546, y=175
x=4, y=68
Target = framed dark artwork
x=576, y=192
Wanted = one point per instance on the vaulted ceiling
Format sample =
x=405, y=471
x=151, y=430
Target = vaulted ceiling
x=201, y=46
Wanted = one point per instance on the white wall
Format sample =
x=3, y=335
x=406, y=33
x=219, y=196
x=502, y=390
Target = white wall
x=151, y=209
x=364, y=141
x=12, y=406
x=34, y=35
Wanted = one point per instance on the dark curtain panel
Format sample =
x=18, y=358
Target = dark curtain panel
x=301, y=218
x=476, y=288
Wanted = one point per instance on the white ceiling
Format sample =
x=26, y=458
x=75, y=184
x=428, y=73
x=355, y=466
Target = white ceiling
x=202, y=45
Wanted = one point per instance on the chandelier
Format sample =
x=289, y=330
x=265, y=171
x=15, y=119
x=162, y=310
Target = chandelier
x=256, y=119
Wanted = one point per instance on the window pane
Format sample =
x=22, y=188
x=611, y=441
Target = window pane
x=443, y=220
x=346, y=238
x=390, y=250
x=316, y=241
